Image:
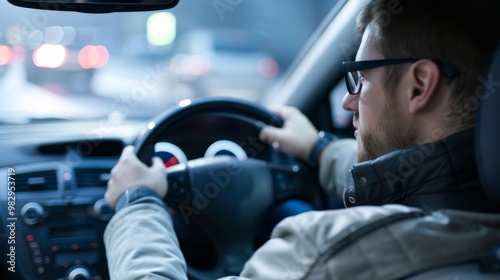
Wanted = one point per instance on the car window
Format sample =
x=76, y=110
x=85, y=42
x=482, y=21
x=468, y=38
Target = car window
x=341, y=119
x=119, y=66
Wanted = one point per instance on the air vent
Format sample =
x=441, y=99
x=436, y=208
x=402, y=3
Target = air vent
x=92, y=177
x=91, y=148
x=36, y=181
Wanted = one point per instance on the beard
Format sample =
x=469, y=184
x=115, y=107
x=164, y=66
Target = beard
x=391, y=133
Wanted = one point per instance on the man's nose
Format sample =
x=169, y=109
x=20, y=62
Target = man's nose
x=350, y=102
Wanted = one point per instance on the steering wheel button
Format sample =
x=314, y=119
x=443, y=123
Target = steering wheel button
x=176, y=186
x=29, y=237
x=37, y=260
x=173, y=184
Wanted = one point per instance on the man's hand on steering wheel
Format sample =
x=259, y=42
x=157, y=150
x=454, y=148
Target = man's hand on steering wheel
x=295, y=138
x=130, y=172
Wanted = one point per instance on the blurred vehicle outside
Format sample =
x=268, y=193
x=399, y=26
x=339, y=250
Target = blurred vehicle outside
x=229, y=62
x=135, y=65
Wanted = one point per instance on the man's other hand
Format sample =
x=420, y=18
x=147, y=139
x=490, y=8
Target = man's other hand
x=296, y=137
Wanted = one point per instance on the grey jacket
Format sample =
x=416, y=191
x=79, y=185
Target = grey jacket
x=432, y=176
x=364, y=242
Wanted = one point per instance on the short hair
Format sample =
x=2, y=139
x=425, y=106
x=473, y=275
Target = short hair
x=459, y=32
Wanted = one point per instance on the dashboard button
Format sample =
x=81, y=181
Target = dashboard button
x=32, y=213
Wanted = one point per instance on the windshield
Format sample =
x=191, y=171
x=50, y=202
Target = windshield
x=119, y=66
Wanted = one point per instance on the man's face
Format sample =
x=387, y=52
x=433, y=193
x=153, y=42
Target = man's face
x=379, y=119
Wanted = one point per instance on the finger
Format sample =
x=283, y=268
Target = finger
x=282, y=111
x=130, y=159
x=275, y=109
x=129, y=151
x=126, y=152
x=272, y=134
x=110, y=183
x=289, y=112
x=157, y=163
x=108, y=197
x=267, y=134
x=113, y=171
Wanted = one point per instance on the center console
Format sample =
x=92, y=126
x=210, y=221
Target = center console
x=53, y=231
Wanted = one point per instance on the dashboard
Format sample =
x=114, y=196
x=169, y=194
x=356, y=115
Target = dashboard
x=53, y=177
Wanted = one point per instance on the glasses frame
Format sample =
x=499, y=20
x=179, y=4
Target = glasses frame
x=447, y=70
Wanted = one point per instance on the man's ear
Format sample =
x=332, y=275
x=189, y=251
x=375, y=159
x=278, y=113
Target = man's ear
x=424, y=79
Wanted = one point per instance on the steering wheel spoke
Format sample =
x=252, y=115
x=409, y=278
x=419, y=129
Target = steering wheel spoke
x=286, y=181
x=178, y=184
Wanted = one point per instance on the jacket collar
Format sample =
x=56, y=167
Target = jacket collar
x=437, y=167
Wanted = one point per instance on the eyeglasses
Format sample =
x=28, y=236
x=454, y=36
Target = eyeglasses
x=353, y=76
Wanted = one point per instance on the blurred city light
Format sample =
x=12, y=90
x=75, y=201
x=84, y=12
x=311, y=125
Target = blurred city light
x=34, y=39
x=14, y=35
x=161, y=29
x=93, y=57
x=50, y=56
x=69, y=34
x=268, y=68
x=6, y=55
x=53, y=35
x=19, y=55
x=199, y=65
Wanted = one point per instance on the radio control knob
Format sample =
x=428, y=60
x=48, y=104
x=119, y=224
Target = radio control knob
x=102, y=210
x=32, y=213
x=78, y=272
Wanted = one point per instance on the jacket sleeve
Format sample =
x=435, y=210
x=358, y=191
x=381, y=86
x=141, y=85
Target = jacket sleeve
x=298, y=243
x=335, y=164
x=141, y=244
x=373, y=242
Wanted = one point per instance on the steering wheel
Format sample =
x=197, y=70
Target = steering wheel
x=218, y=204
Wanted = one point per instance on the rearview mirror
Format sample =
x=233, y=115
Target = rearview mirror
x=96, y=6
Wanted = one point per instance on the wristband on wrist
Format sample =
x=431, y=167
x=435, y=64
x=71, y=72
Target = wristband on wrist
x=138, y=195
x=324, y=139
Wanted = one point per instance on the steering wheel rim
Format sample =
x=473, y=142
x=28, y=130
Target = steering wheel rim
x=202, y=105
x=186, y=180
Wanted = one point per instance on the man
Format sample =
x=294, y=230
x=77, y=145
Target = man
x=414, y=144
x=424, y=101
